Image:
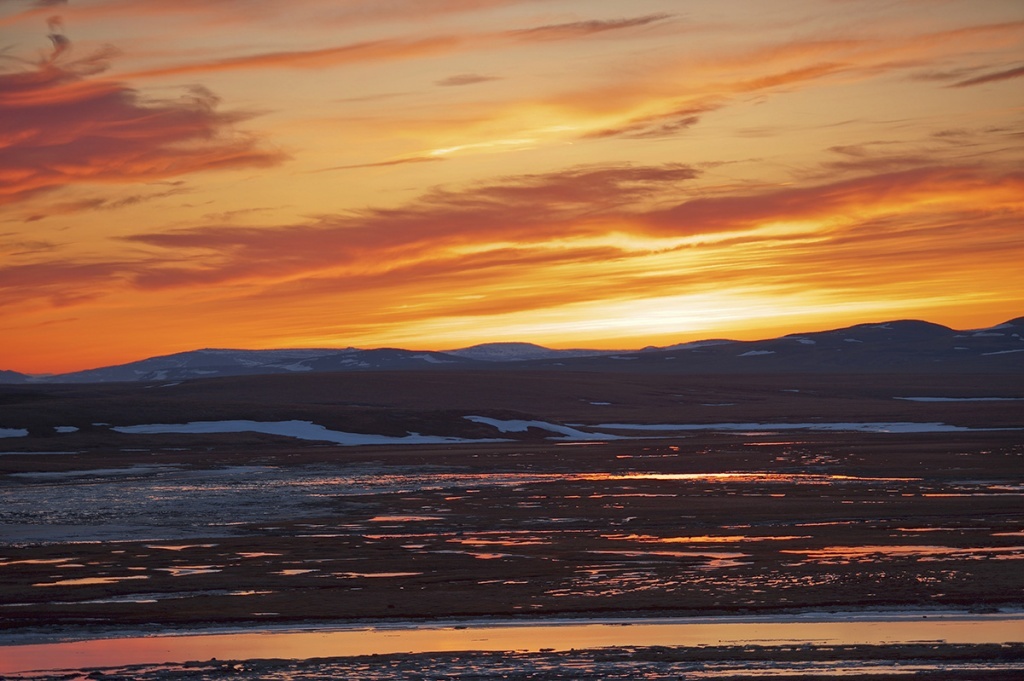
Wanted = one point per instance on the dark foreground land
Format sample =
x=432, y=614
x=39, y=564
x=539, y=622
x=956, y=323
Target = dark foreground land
x=101, y=530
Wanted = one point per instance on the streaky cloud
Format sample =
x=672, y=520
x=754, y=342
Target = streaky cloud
x=383, y=164
x=1008, y=74
x=353, y=53
x=63, y=127
x=465, y=79
x=395, y=49
x=584, y=28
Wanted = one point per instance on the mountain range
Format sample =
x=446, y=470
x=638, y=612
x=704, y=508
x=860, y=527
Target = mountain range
x=908, y=346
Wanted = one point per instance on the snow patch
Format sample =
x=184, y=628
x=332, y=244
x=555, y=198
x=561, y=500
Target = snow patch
x=1002, y=352
x=755, y=353
x=13, y=432
x=432, y=359
x=297, y=366
x=302, y=430
x=852, y=340
x=95, y=472
x=66, y=429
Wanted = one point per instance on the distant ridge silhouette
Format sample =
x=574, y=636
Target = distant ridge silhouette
x=910, y=346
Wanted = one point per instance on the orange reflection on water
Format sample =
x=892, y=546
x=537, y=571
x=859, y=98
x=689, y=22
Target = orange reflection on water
x=708, y=559
x=807, y=478
x=37, y=561
x=91, y=581
x=849, y=554
x=700, y=539
x=326, y=642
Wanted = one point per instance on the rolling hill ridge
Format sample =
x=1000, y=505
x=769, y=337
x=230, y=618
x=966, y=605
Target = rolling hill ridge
x=896, y=346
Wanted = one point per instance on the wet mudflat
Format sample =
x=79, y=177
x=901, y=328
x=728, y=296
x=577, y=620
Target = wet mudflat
x=157, y=531
x=718, y=523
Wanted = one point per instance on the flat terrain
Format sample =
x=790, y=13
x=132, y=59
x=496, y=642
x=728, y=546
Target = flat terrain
x=102, y=529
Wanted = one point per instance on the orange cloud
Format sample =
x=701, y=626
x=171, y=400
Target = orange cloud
x=868, y=193
x=61, y=127
x=531, y=208
x=1017, y=72
x=328, y=12
x=584, y=28
x=588, y=238
x=582, y=216
x=376, y=50
x=399, y=48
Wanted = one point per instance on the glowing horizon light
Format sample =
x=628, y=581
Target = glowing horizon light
x=446, y=174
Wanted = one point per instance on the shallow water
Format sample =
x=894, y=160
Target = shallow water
x=154, y=503
x=841, y=629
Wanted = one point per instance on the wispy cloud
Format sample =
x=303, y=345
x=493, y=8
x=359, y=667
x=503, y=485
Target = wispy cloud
x=653, y=126
x=547, y=218
x=63, y=125
x=353, y=53
x=384, y=164
x=100, y=203
x=576, y=29
x=1007, y=74
x=529, y=208
x=465, y=79
x=391, y=49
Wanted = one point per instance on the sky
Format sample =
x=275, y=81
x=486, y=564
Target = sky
x=433, y=174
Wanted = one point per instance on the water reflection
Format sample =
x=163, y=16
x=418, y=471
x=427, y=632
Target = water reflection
x=843, y=629
x=702, y=539
x=839, y=555
x=795, y=478
x=91, y=581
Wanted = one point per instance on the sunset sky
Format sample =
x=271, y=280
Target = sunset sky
x=440, y=173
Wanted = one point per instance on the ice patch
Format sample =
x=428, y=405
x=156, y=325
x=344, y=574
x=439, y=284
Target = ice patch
x=520, y=426
x=95, y=472
x=302, y=430
x=13, y=432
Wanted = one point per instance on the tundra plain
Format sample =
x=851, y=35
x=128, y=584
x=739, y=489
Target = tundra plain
x=565, y=495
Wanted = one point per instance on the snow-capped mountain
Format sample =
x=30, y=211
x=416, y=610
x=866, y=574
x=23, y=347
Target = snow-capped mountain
x=895, y=346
